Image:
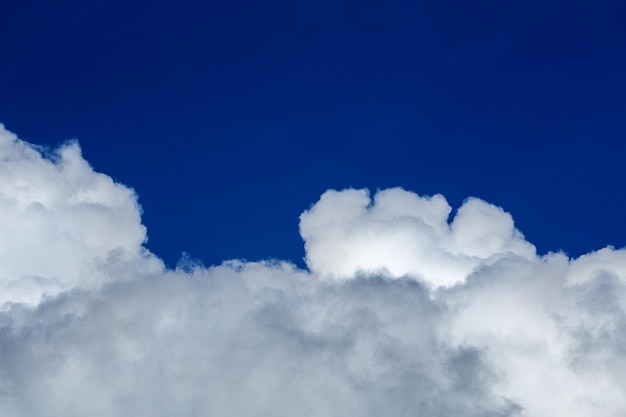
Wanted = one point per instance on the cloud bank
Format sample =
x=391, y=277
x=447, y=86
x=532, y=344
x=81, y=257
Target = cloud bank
x=405, y=310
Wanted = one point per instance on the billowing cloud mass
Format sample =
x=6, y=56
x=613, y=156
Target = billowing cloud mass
x=405, y=310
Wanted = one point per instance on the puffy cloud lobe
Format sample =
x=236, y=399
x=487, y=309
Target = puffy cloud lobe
x=535, y=324
x=404, y=234
x=404, y=311
x=60, y=220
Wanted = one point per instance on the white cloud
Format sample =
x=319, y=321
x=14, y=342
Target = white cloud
x=405, y=311
x=60, y=222
x=404, y=234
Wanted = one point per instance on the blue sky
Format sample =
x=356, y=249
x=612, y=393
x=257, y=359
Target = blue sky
x=249, y=132
x=230, y=118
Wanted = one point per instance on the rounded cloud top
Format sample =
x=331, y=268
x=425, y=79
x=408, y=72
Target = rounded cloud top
x=60, y=221
x=400, y=233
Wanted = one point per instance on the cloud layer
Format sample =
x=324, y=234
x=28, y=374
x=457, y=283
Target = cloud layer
x=405, y=310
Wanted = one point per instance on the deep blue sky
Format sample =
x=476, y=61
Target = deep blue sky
x=229, y=118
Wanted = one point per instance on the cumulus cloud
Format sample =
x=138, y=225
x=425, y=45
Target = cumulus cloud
x=401, y=233
x=406, y=309
x=60, y=221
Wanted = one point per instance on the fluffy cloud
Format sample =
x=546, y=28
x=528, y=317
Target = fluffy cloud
x=401, y=233
x=404, y=311
x=60, y=221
